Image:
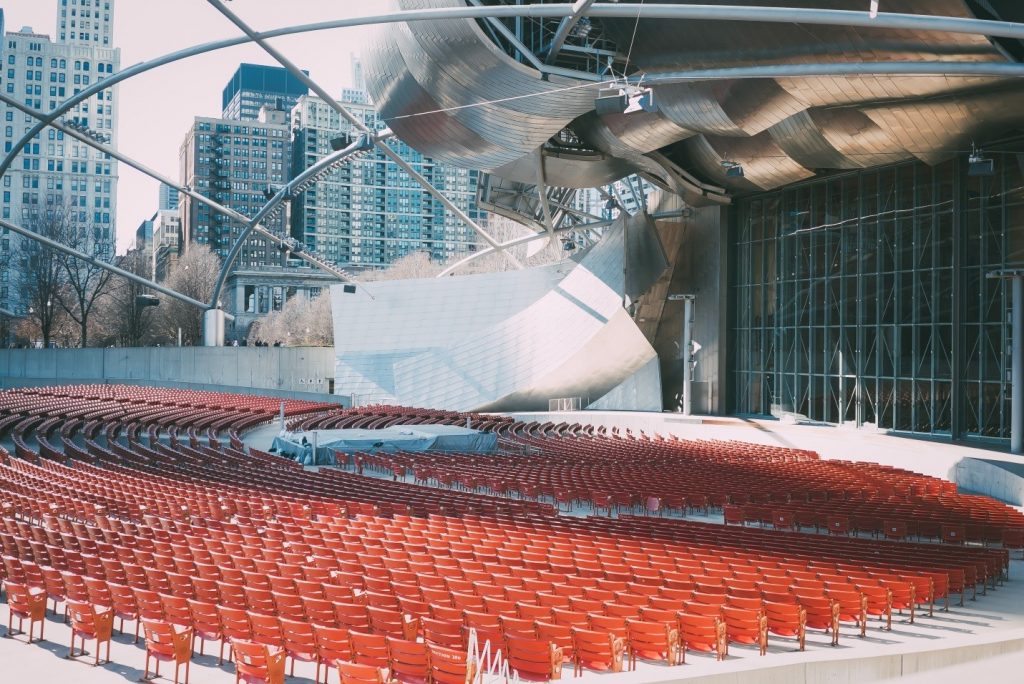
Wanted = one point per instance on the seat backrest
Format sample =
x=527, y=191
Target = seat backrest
x=641, y=631
x=408, y=657
x=744, y=602
x=607, y=623
x=161, y=638
x=696, y=626
x=592, y=644
x=449, y=666
x=354, y=673
x=332, y=643
x=443, y=632
x=518, y=626
x=18, y=596
x=298, y=636
x=533, y=656
x=369, y=649
x=251, y=659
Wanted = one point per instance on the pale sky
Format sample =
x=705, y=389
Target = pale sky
x=157, y=108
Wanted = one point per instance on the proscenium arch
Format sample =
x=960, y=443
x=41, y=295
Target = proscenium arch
x=990, y=28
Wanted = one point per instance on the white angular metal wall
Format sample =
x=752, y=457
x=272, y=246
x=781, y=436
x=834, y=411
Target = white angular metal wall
x=498, y=341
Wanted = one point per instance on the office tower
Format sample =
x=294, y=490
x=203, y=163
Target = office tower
x=254, y=86
x=159, y=238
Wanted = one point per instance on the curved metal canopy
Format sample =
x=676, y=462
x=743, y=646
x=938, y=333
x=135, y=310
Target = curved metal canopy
x=782, y=92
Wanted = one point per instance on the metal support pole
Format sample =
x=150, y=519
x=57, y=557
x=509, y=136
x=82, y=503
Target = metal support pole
x=1017, y=368
x=1016, y=278
x=213, y=328
x=686, y=350
x=282, y=416
x=687, y=353
x=99, y=263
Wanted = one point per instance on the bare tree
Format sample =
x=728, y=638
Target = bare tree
x=412, y=265
x=85, y=283
x=301, y=322
x=120, y=317
x=41, y=276
x=537, y=253
x=194, y=275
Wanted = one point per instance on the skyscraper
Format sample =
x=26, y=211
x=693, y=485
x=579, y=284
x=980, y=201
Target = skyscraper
x=357, y=93
x=53, y=170
x=86, y=22
x=254, y=86
x=369, y=212
x=168, y=197
x=233, y=162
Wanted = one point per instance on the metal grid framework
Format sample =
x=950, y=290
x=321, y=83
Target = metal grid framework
x=862, y=298
x=581, y=46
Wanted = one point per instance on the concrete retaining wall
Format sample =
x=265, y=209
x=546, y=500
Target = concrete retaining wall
x=289, y=372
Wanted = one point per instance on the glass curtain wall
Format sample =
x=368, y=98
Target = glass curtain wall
x=863, y=297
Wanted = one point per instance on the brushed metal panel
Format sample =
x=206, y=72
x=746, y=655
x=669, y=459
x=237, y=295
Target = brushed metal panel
x=765, y=164
x=452, y=64
x=568, y=169
x=780, y=130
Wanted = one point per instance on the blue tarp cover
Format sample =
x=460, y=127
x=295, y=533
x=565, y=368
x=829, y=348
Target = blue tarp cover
x=394, y=438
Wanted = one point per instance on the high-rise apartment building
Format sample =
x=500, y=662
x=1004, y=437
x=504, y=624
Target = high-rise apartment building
x=369, y=212
x=86, y=22
x=168, y=197
x=233, y=162
x=254, y=86
x=54, y=170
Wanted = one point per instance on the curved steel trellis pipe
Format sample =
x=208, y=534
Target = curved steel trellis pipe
x=554, y=11
x=95, y=261
x=184, y=189
x=363, y=128
x=504, y=245
x=794, y=15
x=1004, y=69
x=565, y=27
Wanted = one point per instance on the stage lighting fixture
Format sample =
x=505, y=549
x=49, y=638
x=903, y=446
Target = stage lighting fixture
x=732, y=169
